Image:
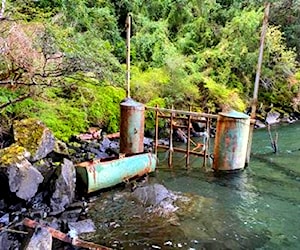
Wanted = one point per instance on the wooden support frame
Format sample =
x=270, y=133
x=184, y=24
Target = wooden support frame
x=187, y=116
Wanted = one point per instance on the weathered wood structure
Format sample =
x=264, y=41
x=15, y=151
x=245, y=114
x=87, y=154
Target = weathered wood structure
x=182, y=121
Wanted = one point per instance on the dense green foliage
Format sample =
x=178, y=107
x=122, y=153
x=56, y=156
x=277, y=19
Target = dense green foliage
x=70, y=56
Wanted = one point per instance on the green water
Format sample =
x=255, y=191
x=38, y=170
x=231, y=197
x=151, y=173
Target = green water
x=258, y=208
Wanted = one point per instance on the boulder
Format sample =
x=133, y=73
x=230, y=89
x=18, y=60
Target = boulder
x=60, y=147
x=259, y=124
x=9, y=241
x=65, y=185
x=156, y=198
x=273, y=117
x=23, y=178
x=47, y=168
x=41, y=239
x=151, y=195
x=83, y=226
x=33, y=135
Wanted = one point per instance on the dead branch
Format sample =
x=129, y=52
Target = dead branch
x=19, y=99
x=64, y=237
x=274, y=144
x=12, y=230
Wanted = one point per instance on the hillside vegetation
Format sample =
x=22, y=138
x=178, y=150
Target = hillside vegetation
x=64, y=61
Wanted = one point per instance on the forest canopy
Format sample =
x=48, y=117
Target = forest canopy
x=64, y=61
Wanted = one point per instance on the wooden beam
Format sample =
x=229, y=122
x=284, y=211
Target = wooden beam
x=64, y=237
x=182, y=112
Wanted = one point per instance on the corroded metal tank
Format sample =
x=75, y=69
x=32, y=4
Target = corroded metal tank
x=132, y=127
x=231, y=141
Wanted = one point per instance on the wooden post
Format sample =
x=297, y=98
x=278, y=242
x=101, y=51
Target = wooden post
x=257, y=78
x=171, y=139
x=206, y=143
x=156, y=131
x=128, y=33
x=188, y=142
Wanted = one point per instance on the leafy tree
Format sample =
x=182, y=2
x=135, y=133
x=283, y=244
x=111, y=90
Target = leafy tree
x=286, y=15
x=184, y=52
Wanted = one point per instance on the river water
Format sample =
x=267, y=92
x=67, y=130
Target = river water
x=257, y=208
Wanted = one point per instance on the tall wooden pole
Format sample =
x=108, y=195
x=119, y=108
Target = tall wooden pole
x=257, y=77
x=128, y=33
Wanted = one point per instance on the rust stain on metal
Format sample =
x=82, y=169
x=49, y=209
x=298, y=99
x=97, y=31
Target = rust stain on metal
x=88, y=163
x=132, y=127
x=144, y=171
x=231, y=141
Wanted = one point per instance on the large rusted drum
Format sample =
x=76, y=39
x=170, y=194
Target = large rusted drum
x=231, y=141
x=132, y=126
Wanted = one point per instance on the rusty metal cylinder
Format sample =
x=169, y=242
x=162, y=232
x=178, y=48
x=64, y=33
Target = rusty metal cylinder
x=132, y=126
x=231, y=141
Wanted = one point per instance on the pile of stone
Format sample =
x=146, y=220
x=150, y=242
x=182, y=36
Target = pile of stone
x=38, y=182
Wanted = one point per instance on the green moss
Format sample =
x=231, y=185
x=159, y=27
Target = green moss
x=28, y=133
x=70, y=110
x=12, y=154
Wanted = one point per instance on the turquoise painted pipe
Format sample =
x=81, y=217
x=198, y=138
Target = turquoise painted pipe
x=98, y=174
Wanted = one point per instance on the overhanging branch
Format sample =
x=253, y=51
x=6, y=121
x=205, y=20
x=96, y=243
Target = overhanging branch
x=19, y=99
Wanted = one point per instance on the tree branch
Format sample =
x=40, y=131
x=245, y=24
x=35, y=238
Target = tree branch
x=19, y=99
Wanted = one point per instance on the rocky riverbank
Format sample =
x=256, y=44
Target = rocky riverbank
x=38, y=182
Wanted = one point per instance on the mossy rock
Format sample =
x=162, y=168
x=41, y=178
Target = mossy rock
x=13, y=154
x=33, y=135
x=61, y=147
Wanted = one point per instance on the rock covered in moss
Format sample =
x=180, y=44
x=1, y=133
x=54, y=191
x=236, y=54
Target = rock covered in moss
x=33, y=135
x=13, y=154
x=60, y=147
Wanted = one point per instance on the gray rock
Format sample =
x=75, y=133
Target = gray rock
x=259, y=124
x=24, y=179
x=65, y=185
x=8, y=241
x=4, y=219
x=272, y=117
x=105, y=144
x=153, y=195
x=41, y=239
x=46, y=168
x=157, y=200
x=83, y=226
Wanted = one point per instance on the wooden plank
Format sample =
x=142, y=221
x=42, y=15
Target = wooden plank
x=175, y=149
x=182, y=112
x=64, y=237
